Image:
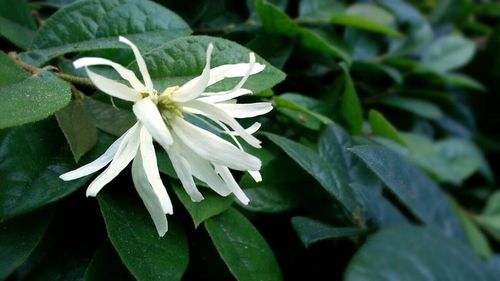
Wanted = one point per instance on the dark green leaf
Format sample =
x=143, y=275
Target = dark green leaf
x=382, y=127
x=110, y=119
x=31, y=159
x=92, y=24
x=133, y=235
x=416, y=254
x=302, y=110
x=106, y=265
x=18, y=238
x=412, y=187
x=16, y=23
x=276, y=50
x=28, y=97
x=212, y=205
x=78, y=128
x=363, y=23
x=350, y=106
x=311, y=231
x=242, y=248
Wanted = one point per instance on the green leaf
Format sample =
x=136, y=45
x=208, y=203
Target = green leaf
x=32, y=159
x=412, y=187
x=363, y=23
x=350, y=106
x=320, y=40
x=112, y=120
x=274, y=20
x=133, y=235
x=323, y=171
x=28, y=97
x=416, y=254
x=372, y=12
x=78, y=128
x=302, y=110
x=212, y=205
x=448, y=53
x=416, y=106
x=92, y=25
x=276, y=50
x=311, y=231
x=242, y=248
x=106, y=265
x=16, y=23
x=382, y=127
x=319, y=9
x=18, y=238
x=182, y=59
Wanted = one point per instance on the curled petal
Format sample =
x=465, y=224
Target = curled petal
x=232, y=184
x=224, y=96
x=114, y=88
x=140, y=62
x=232, y=70
x=147, y=112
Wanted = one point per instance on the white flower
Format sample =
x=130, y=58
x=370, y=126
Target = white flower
x=192, y=150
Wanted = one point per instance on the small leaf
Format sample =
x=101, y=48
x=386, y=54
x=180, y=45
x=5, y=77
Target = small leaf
x=319, y=9
x=382, y=127
x=427, y=256
x=28, y=97
x=110, y=119
x=18, y=238
x=448, y=53
x=412, y=187
x=311, y=231
x=363, y=23
x=78, y=128
x=242, y=248
x=212, y=205
x=416, y=106
x=302, y=110
x=133, y=235
x=350, y=106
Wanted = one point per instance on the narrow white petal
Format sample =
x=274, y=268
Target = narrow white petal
x=183, y=170
x=251, y=64
x=149, y=196
x=125, y=153
x=148, y=159
x=114, y=88
x=246, y=110
x=140, y=62
x=147, y=112
x=213, y=148
x=196, y=86
x=124, y=72
x=97, y=164
x=232, y=184
x=232, y=70
x=224, y=96
x=202, y=169
x=215, y=113
x=257, y=177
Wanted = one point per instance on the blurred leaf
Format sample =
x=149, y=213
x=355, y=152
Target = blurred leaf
x=363, y=23
x=32, y=157
x=428, y=255
x=274, y=20
x=133, y=235
x=78, y=128
x=371, y=12
x=301, y=109
x=311, y=231
x=106, y=265
x=91, y=25
x=16, y=23
x=320, y=40
x=319, y=9
x=382, y=127
x=212, y=204
x=448, y=53
x=276, y=50
x=182, y=59
x=412, y=187
x=28, y=97
x=350, y=106
x=112, y=120
x=461, y=80
x=242, y=248
x=18, y=238
x=416, y=106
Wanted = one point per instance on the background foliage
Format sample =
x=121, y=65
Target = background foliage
x=379, y=158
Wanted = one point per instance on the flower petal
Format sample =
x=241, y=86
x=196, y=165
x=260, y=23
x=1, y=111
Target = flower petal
x=140, y=62
x=114, y=88
x=147, y=112
x=149, y=196
x=183, y=170
x=150, y=167
x=232, y=70
x=245, y=110
x=124, y=73
x=125, y=153
x=195, y=87
x=232, y=184
x=97, y=164
x=257, y=177
x=214, y=149
x=224, y=96
x=215, y=113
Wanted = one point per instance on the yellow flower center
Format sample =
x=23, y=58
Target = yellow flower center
x=168, y=108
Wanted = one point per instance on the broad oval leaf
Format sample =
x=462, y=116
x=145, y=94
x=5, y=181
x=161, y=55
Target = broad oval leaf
x=242, y=248
x=27, y=97
x=133, y=235
x=415, y=254
x=96, y=24
x=448, y=53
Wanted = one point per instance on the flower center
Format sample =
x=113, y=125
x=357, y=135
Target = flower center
x=168, y=108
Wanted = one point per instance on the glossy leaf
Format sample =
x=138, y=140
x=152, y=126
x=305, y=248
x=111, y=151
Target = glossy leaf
x=242, y=248
x=311, y=231
x=350, y=106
